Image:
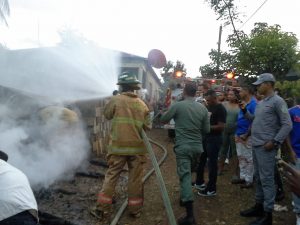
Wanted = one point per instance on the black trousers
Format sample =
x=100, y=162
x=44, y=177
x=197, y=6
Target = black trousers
x=211, y=146
x=23, y=218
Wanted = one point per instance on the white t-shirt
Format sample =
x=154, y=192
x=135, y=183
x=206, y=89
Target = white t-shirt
x=15, y=192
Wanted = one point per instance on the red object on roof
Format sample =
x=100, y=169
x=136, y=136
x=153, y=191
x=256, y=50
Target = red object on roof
x=157, y=58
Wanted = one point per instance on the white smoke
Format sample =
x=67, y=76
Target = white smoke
x=50, y=149
x=45, y=151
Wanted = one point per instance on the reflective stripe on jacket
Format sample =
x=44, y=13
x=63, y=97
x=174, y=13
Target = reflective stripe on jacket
x=129, y=116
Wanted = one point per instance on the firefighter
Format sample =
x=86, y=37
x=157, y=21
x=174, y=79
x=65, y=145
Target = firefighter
x=129, y=115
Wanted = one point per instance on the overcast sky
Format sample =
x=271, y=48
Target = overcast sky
x=183, y=30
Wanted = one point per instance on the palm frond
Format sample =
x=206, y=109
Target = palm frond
x=4, y=11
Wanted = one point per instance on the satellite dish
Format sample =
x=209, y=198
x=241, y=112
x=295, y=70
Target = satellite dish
x=157, y=58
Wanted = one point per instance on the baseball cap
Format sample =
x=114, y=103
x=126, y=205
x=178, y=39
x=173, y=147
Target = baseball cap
x=265, y=77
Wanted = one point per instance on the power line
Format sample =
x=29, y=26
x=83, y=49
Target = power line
x=253, y=13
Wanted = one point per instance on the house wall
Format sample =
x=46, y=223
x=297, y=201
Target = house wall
x=146, y=77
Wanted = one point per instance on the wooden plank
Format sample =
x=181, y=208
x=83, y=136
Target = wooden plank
x=95, y=146
x=89, y=121
x=101, y=150
x=98, y=111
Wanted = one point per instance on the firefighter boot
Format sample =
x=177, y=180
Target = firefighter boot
x=103, y=216
x=189, y=218
x=135, y=211
x=135, y=215
x=266, y=219
x=256, y=211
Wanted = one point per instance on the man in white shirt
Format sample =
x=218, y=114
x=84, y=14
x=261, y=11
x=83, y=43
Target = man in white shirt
x=17, y=202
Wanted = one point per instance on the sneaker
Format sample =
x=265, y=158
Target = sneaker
x=200, y=187
x=207, y=193
x=227, y=161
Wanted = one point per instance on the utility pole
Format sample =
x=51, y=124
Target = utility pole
x=219, y=50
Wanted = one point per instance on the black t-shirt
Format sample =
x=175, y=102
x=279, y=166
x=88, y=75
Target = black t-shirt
x=218, y=114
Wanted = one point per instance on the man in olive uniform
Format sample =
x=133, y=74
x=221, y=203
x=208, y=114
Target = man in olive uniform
x=270, y=127
x=129, y=115
x=191, y=122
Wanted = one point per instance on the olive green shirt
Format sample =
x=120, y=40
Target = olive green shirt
x=191, y=121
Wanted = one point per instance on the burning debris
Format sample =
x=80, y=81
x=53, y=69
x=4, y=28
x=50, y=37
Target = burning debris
x=46, y=142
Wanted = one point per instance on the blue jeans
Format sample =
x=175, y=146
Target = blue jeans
x=23, y=218
x=211, y=146
x=296, y=199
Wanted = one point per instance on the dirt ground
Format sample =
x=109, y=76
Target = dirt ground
x=71, y=200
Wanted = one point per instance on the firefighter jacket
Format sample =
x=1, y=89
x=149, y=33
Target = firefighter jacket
x=129, y=116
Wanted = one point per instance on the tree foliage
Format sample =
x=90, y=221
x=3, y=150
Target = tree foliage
x=225, y=9
x=289, y=88
x=211, y=71
x=179, y=66
x=169, y=71
x=170, y=68
x=265, y=49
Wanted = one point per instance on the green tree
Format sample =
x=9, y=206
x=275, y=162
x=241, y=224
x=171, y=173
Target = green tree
x=289, y=88
x=169, y=73
x=179, y=66
x=167, y=69
x=4, y=11
x=210, y=70
x=225, y=9
x=266, y=49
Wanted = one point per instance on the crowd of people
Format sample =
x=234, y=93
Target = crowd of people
x=251, y=128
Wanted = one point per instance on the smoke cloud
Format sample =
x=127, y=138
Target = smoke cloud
x=45, y=151
x=43, y=138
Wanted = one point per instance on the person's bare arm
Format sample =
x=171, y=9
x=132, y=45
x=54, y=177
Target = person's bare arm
x=292, y=176
x=287, y=150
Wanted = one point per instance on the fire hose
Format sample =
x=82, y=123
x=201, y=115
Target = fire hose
x=162, y=186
